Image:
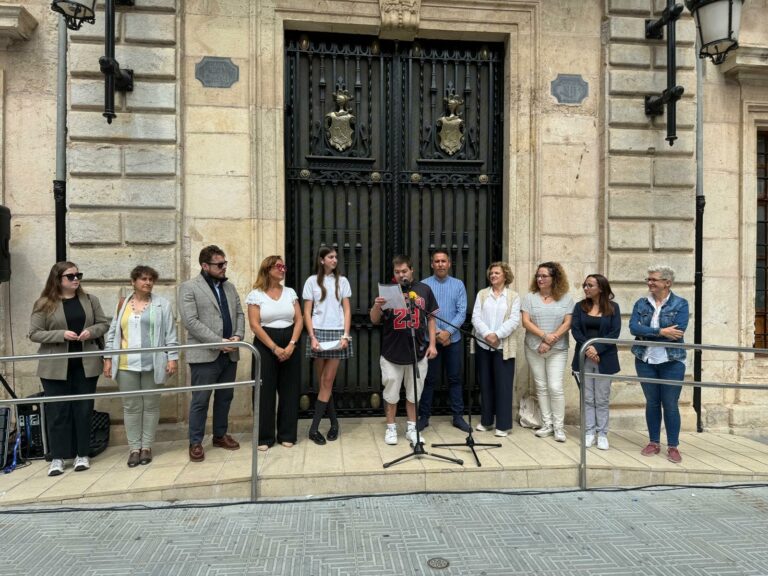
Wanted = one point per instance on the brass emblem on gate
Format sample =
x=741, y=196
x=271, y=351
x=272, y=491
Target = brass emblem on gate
x=450, y=128
x=339, y=125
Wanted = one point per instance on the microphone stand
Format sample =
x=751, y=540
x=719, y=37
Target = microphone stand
x=417, y=449
x=469, y=441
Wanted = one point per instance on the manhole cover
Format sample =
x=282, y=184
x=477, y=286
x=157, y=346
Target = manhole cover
x=438, y=563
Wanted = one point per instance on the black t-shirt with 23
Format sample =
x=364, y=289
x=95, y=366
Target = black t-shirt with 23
x=396, y=343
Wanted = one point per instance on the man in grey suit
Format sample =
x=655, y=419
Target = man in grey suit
x=210, y=310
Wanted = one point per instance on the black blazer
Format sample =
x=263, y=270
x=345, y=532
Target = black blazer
x=610, y=327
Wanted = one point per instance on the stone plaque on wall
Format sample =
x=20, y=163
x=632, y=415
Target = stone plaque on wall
x=569, y=88
x=217, y=72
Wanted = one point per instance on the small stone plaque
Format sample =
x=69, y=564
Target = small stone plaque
x=217, y=72
x=569, y=88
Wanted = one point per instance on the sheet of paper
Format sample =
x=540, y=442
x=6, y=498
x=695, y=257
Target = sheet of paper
x=394, y=295
x=333, y=345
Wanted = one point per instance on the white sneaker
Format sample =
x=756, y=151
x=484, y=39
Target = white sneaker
x=602, y=442
x=589, y=440
x=501, y=433
x=390, y=436
x=481, y=428
x=56, y=467
x=82, y=463
x=410, y=435
x=544, y=431
x=559, y=435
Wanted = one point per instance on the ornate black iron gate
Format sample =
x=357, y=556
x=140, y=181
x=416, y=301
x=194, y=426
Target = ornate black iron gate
x=390, y=148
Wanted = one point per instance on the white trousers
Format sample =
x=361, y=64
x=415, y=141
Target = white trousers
x=393, y=375
x=548, y=370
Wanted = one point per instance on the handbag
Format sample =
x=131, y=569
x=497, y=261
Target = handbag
x=99, y=433
x=529, y=412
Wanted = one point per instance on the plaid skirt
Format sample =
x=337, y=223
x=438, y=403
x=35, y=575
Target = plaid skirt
x=328, y=336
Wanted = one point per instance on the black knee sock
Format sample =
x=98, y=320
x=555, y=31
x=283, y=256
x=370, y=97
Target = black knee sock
x=319, y=413
x=331, y=411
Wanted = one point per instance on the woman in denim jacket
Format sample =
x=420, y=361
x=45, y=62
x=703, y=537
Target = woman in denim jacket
x=661, y=316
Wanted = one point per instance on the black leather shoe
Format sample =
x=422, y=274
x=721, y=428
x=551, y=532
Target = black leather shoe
x=461, y=424
x=423, y=422
x=134, y=458
x=333, y=433
x=316, y=437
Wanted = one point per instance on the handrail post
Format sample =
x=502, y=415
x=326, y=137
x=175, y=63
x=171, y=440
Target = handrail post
x=583, y=417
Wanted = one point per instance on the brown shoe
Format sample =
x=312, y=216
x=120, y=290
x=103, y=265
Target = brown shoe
x=651, y=450
x=226, y=442
x=133, y=459
x=196, y=453
x=673, y=455
x=146, y=456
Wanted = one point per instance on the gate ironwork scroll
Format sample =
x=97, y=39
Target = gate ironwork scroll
x=390, y=147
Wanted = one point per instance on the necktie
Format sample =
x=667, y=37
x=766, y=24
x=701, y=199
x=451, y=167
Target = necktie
x=224, y=308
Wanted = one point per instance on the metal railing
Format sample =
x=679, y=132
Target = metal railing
x=623, y=378
x=157, y=391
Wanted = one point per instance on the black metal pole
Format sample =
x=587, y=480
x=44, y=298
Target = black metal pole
x=671, y=74
x=697, y=311
x=60, y=204
x=109, y=58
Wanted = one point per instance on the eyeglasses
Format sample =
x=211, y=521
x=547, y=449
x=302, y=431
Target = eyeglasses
x=219, y=265
x=585, y=286
x=540, y=276
x=654, y=280
x=73, y=277
x=281, y=267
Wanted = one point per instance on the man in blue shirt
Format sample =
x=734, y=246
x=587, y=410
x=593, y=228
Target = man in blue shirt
x=452, y=299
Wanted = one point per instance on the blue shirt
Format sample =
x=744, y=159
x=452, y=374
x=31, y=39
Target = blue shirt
x=451, y=297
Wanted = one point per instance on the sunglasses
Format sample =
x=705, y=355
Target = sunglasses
x=281, y=267
x=73, y=277
x=219, y=265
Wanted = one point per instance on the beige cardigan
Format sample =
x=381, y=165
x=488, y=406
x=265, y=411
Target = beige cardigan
x=48, y=331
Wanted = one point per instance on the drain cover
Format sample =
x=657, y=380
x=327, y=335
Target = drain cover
x=438, y=563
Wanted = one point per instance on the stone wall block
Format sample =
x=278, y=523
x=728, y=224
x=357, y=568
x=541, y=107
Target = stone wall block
x=629, y=235
x=150, y=28
x=115, y=264
x=685, y=57
x=218, y=7
x=628, y=170
x=635, y=82
x=92, y=159
x=630, y=6
x=674, y=172
x=156, y=228
x=218, y=154
x=226, y=36
x=627, y=111
x=88, y=93
x=133, y=193
x=150, y=96
x=626, y=140
x=626, y=28
x=127, y=126
x=630, y=55
x=150, y=160
x=651, y=204
x=673, y=235
x=145, y=61
x=623, y=267
x=165, y=5
x=217, y=120
x=217, y=196
x=90, y=228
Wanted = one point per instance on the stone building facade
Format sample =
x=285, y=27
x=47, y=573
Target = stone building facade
x=590, y=183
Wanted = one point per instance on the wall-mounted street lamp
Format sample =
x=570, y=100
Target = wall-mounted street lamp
x=75, y=13
x=717, y=23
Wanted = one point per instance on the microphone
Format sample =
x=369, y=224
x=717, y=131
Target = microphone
x=405, y=284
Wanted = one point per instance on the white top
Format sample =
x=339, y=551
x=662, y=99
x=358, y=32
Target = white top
x=489, y=317
x=548, y=317
x=328, y=314
x=274, y=313
x=656, y=354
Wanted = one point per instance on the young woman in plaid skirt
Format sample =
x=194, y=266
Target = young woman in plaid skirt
x=327, y=318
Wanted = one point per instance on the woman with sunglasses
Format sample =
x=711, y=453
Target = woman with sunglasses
x=596, y=316
x=142, y=320
x=661, y=316
x=66, y=319
x=328, y=318
x=275, y=318
x=546, y=317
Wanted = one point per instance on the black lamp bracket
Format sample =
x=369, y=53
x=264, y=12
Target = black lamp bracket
x=123, y=76
x=654, y=29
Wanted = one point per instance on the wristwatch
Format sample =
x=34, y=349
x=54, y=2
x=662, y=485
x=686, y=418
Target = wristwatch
x=346, y=337
x=292, y=342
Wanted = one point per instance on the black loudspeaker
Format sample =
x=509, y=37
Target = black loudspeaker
x=34, y=436
x=5, y=430
x=5, y=244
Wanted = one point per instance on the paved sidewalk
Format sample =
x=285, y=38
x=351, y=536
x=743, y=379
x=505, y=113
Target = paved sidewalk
x=696, y=531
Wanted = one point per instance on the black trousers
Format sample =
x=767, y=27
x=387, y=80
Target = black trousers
x=278, y=379
x=69, y=423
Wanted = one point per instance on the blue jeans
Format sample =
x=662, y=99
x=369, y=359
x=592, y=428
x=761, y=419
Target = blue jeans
x=660, y=397
x=451, y=356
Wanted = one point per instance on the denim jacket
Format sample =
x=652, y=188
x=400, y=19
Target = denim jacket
x=674, y=312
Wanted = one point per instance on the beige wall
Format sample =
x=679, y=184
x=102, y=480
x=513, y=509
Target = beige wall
x=593, y=185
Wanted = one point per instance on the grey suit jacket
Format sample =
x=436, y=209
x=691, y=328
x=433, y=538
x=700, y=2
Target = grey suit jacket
x=199, y=313
x=48, y=330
